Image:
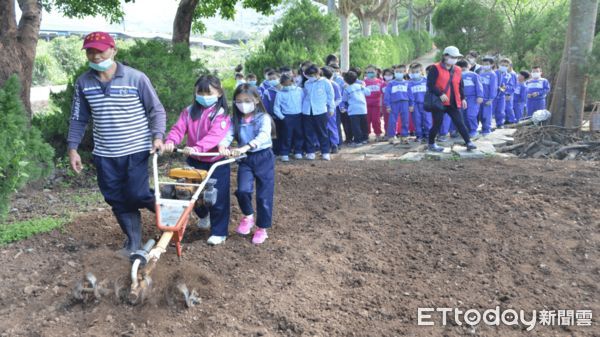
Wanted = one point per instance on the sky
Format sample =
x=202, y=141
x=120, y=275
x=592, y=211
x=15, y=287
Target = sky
x=155, y=16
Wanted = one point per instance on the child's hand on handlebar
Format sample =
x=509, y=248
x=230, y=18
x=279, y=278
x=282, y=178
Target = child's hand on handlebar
x=224, y=151
x=168, y=147
x=240, y=151
x=187, y=150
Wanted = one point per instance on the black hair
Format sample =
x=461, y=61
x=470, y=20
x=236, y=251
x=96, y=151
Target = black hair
x=251, y=75
x=525, y=74
x=334, y=67
x=284, y=78
x=350, y=77
x=272, y=72
x=327, y=72
x=356, y=70
x=415, y=65
x=238, y=68
x=388, y=70
x=285, y=69
x=237, y=115
x=489, y=59
x=267, y=69
x=329, y=58
x=536, y=67
x=239, y=75
x=203, y=85
x=371, y=66
x=312, y=70
x=462, y=64
x=473, y=53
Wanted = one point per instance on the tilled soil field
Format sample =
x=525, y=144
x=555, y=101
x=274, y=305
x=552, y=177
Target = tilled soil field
x=356, y=249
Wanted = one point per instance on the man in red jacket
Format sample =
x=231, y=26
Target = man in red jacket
x=445, y=81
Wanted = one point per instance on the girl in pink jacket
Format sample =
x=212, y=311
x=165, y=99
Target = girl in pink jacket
x=206, y=123
x=376, y=85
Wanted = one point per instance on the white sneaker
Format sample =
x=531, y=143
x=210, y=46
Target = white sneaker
x=204, y=223
x=310, y=156
x=298, y=156
x=285, y=158
x=326, y=156
x=214, y=240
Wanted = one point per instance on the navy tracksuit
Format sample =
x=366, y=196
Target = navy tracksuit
x=219, y=212
x=259, y=166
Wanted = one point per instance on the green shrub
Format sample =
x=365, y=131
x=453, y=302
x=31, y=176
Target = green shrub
x=593, y=89
x=46, y=68
x=24, y=156
x=304, y=33
x=67, y=52
x=386, y=50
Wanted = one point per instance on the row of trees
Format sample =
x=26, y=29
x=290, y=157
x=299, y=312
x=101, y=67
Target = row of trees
x=383, y=12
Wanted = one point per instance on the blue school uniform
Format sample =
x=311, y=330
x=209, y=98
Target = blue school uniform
x=354, y=101
x=490, y=91
x=473, y=89
x=258, y=165
x=288, y=108
x=332, y=125
x=520, y=100
x=421, y=118
x=504, y=79
x=510, y=99
x=542, y=88
x=397, y=99
x=318, y=101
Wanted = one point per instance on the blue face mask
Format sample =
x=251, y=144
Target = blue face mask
x=240, y=82
x=415, y=76
x=252, y=83
x=503, y=69
x=486, y=67
x=288, y=88
x=206, y=101
x=399, y=76
x=273, y=83
x=102, y=66
x=370, y=75
x=311, y=79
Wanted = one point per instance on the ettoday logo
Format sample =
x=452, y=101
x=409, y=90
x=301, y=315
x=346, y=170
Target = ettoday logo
x=496, y=317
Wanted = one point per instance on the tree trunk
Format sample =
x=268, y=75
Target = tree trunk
x=411, y=17
x=569, y=90
x=182, y=24
x=366, y=26
x=383, y=26
x=394, y=18
x=345, y=47
x=430, y=24
x=18, y=43
x=331, y=6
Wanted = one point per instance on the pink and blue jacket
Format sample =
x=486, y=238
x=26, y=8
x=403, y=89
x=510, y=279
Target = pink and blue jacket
x=376, y=86
x=203, y=134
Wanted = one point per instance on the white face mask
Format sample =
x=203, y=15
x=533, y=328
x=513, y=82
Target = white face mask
x=536, y=75
x=451, y=61
x=388, y=77
x=246, y=108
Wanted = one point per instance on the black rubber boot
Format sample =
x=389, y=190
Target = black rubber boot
x=131, y=225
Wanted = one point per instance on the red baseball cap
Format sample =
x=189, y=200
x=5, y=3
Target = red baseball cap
x=98, y=40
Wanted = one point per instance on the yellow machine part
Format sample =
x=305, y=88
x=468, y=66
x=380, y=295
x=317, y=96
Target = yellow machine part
x=191, y=174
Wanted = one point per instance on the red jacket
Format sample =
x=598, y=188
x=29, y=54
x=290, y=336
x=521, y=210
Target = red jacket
x=376, y=86
x=442, y=82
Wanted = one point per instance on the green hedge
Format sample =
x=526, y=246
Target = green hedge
x=24, y=156
x=386, y=50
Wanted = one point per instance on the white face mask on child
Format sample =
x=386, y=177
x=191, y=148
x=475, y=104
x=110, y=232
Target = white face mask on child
x=536, y=75
x=246, y=108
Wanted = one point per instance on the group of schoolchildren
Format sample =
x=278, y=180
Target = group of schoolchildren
x=302, y=112
x=313, y=106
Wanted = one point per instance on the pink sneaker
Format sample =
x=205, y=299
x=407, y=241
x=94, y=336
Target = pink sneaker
x=246, y=225
x=259, y=236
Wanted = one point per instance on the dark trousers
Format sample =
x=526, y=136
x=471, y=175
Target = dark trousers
x=357, y=123
x=259, y=166
x=315, y=132
x=292, y=133
x=123, y=182
x=219, y=212
x=345, y=119
x=457, y=119
x=279, y=135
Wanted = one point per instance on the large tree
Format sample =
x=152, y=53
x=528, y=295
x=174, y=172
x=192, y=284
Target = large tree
x=570, y=87
x=189, y=14
x=18, y=40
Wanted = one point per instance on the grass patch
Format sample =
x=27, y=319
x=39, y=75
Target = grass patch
x=24, y=229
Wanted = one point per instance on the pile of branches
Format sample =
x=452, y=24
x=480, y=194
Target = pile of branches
x=554, y=142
